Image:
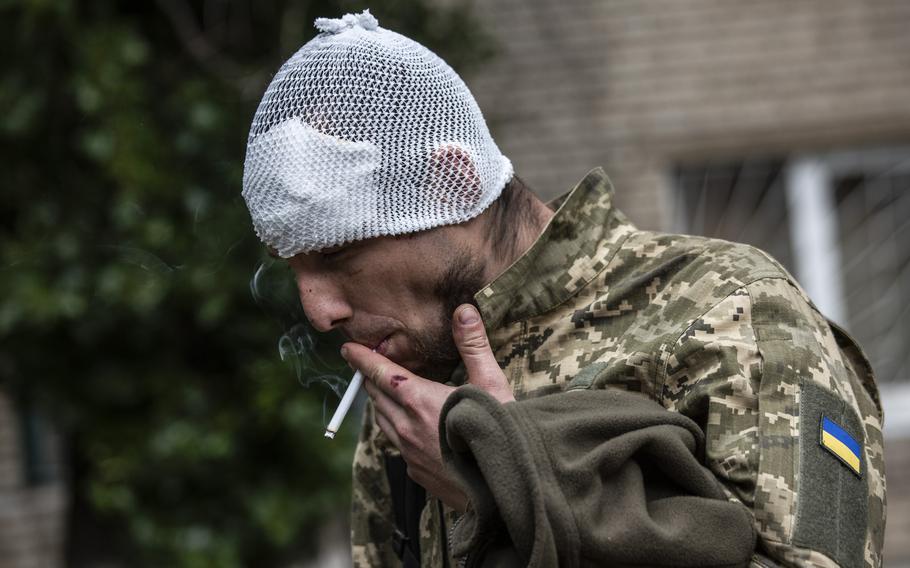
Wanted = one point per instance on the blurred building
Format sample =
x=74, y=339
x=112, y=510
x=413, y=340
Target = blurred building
x=781, y=124
x=32, y=491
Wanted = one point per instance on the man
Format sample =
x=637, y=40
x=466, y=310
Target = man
x=369, y=167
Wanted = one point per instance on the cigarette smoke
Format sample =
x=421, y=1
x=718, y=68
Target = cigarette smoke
x=312, y=355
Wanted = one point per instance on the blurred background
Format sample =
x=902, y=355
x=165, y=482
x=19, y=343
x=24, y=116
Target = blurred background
x=159, y=394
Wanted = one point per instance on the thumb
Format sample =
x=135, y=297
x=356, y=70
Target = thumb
x=474, y=347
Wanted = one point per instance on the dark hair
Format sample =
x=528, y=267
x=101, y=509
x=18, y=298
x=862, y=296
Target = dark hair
x=512, y=211
x=505, y=218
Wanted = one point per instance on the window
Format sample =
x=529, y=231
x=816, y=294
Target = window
x=840, y=222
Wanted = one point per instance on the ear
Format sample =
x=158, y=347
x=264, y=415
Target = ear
x=453, y=176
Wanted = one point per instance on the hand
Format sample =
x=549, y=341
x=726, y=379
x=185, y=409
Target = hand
x=408, y=407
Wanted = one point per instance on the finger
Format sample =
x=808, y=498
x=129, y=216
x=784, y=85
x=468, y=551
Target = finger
x=472, y=343
x=388, y=429
x=399, y=424
x=385, y=405
x=392, y=379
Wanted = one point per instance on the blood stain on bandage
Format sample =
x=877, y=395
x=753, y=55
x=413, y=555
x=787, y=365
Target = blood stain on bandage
x=397, y=380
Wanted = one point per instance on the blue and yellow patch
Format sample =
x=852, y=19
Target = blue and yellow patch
x=844, y=446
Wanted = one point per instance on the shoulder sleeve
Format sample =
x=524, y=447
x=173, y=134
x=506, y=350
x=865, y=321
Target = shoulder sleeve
x=791, y=430
x=371, y=502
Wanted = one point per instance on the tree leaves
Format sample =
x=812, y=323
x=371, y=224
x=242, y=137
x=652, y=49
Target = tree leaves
x=125, y=260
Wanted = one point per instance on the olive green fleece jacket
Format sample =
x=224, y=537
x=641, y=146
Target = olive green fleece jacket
x=586, y=478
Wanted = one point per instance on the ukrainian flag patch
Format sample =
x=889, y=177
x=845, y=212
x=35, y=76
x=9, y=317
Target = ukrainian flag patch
x=844, y=446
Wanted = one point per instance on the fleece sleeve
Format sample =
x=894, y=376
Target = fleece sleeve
x=586, y=478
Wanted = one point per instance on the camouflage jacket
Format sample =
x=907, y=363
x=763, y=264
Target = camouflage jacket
x=715, y=330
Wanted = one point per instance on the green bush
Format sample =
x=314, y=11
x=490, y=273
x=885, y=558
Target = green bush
x=126, y=256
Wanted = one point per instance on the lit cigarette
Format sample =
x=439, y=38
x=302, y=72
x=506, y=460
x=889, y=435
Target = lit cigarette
x=344, y=405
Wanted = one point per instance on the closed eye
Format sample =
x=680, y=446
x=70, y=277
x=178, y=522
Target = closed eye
x=333, y=254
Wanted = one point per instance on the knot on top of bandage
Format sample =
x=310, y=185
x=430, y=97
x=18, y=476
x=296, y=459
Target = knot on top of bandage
x=363, y=20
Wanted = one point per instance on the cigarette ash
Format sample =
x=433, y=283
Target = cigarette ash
x=312, y=355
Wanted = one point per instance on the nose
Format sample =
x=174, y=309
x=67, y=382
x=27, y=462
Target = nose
x=323, y=302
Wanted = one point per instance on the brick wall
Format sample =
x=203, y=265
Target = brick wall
x=641, y=86
x=31, y=516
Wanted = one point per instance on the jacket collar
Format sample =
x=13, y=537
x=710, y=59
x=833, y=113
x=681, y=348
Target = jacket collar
x=576, y=245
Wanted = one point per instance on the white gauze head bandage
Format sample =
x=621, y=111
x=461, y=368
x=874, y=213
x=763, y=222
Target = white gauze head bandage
x=363, y=133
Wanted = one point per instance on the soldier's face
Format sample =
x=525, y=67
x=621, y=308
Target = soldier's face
x=394, y=294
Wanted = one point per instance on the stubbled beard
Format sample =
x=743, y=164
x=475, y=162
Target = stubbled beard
x=457, y=285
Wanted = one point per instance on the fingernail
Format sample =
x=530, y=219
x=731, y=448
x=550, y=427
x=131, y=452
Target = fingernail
x=468, y=315
x=344, y=352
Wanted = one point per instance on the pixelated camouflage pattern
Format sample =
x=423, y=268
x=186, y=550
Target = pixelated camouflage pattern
x=372, y=521
x=434, y=548
x=715, y=330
